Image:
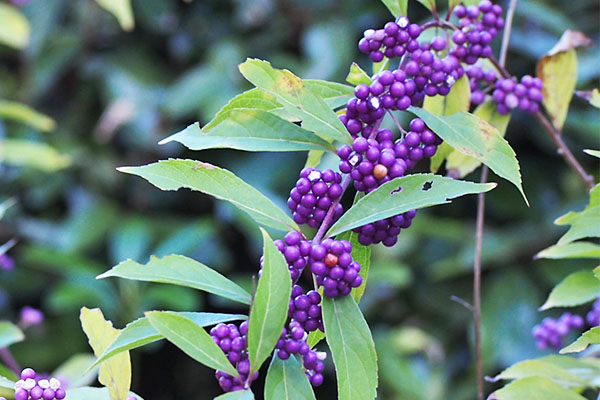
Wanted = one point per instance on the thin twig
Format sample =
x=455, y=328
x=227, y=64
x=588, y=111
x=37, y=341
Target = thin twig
x=462, y=302
x=480, y=224
x=9, y=360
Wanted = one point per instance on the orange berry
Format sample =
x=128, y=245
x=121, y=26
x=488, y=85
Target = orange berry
x=380, y=171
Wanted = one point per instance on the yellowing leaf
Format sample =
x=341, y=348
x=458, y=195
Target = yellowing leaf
x=25, y=114
x=121, y=9
x=115, y=373
x=14, y=27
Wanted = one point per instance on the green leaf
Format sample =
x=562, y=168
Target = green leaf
x=173, y=174
x=475, y=137
x=529, y=368
x=335, y=94
x=578, y=288
x=357, y=75
x=22, y=153
x=270, y=305
x=459, y=99
x=597, y=272
x=286, y=380
x=453, y=3
x=115, y=374
x=585, y=223
x=296, y=98
x=93, y=393
x=535, y=388
x=71, y=370
x=250, y=130
x=381, y=65
x=6, y=383
x=315, y=337
x=9, y=334
x=191, y=339
x=592, y=96
x=179, y=270
x=122, y=11
x=593, y=153
x=587, y=338
x=558, y=70
x=314, y=158
x=429, y=4
x=459, y=164
x=571, y=250
x=14, y=27
x=140, y=332
x=237, y=395
x=22, y=113
x=352, y=349
x=397, y=7
x=418, y=191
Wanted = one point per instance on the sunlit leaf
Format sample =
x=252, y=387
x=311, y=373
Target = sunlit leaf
x=587, y=338
x=593, y=96
x=14, y=27
x=22, y=153
x=296, y=98
x=94, y=393
x=578, y=288
x=396, y=7
x=529, y=368
x=115, y=374
x=578, y=249
x=584, y=224
x=237, y=395
x=174, y=174
x=121, y=9
x=357, y=75
x=20, y=112
x=535, y=388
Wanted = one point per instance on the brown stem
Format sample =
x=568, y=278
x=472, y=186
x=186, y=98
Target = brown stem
x=587, y=179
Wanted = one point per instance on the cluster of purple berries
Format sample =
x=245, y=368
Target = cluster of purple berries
x=313, y=194
x=525, y=95
x=29, y=387
x=233, y=343
x=394, y=40
x=386, y=230
x=295, y=250
x=551, y=332
x=479, y=26
x=306, y=309
x=332, y=264
x=293, y=341
x=479, y=81
x=593, y=316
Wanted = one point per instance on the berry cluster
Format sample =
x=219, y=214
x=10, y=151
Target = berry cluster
x=551, y=332
x=479, y=80
x=331, y=263
x=29, y=387
x=525, y=95
x=314, y=193
x=233, y=343
x=385, y=231
x=295, y=251
x=593, y=317
x=479, y=26
x=394, y=40
x=293, y=341
x=306, y=309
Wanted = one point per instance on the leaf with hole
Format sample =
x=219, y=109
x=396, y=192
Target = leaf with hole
x=174, y=174
x=473, y=136
x=403, y=194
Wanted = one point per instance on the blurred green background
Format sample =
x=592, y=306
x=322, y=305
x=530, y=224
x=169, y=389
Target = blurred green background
x=115, y=94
